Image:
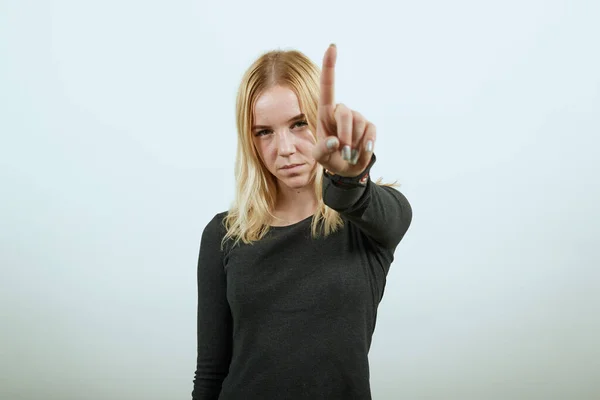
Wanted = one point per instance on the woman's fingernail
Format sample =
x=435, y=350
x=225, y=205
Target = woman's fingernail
x=370, y=146
x=354, y=157
x=346, y=153
x=331, y=143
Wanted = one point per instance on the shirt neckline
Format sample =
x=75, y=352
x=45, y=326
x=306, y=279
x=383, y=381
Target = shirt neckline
x=292, y=225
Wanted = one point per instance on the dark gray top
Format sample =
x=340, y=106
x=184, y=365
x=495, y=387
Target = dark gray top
x=291, y=317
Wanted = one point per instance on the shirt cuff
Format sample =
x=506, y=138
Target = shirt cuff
x=351, y=182
x=341, y=193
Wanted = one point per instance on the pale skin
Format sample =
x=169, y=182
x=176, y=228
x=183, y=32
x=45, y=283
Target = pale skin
x=282, y=139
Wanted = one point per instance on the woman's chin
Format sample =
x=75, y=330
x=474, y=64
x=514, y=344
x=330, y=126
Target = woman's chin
x=295, y=182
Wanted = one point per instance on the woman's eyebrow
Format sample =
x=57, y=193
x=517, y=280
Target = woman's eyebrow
x=297, y=117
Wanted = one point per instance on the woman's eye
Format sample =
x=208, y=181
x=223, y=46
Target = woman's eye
x=300, y=123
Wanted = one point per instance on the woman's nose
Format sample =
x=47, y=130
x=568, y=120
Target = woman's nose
x=285, y=144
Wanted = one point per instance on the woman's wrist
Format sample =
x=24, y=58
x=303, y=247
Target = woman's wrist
x=351, y=181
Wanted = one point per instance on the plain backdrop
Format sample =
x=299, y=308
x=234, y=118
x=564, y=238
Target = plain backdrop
x=117, y=147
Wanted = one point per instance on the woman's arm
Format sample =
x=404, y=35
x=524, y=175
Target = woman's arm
x=381, y=212
x=345, y=143
x=214, y=317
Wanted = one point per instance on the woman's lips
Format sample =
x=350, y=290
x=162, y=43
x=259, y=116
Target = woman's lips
x=291, y=167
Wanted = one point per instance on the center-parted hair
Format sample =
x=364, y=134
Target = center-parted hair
x=256, y=188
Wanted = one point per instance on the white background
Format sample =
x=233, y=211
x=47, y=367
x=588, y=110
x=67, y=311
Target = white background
x=117, y=147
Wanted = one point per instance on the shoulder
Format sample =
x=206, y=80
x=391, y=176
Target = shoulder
x=215, y=228
x=394, y=191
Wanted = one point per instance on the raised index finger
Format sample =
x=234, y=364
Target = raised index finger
x=328, y=77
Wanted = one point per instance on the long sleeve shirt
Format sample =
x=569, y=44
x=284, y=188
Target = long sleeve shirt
x=292, y=317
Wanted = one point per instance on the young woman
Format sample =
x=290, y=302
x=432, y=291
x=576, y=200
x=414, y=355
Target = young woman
x=290, y=277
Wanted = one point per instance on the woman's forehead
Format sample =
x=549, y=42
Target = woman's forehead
x=276, y=105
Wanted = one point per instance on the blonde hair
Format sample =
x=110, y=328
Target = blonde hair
x=249, y=215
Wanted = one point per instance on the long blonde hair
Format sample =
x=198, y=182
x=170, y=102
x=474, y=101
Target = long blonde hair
x=248, y=217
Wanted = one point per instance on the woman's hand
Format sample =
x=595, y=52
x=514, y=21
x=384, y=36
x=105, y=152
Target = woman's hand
x=345, y=139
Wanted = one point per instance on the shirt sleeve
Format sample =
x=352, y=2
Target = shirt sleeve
x=214, y=317
x=381, y=212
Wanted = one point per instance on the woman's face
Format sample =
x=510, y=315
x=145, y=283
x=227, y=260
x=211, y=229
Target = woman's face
x=282, y=137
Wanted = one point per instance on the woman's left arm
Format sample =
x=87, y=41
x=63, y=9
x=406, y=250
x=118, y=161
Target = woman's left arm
x=345, y=143
x=381, y=212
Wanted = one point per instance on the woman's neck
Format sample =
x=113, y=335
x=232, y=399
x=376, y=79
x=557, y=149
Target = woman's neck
x=294, y=205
